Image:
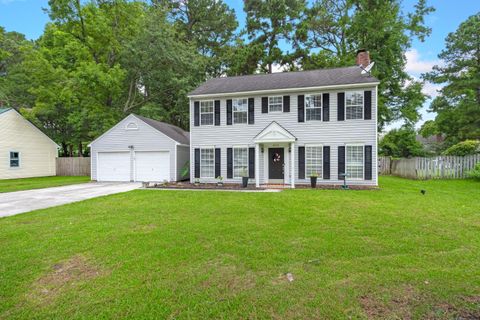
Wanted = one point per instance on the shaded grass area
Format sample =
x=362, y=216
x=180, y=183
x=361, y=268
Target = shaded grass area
x=38, y=183
x=388, y=253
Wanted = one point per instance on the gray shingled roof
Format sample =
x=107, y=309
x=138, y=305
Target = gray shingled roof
x=284, y=80
x=174, y=132
x=2, y=110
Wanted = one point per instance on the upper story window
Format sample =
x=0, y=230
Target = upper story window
x=313, y=160
x=240, y=162
x=313, y=107
x=240, y=110
x=207, y=163
x=353, y=105
x=14, y=159
x=206, y=113
x=354, y=163
x=275, y=104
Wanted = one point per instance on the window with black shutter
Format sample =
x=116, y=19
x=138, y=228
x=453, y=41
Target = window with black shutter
x=301, y=108
x=251, y=163
x=368, y=163
x=229, y=112
x=217, y=112
x=326, y=107
x=196, y=113
x=286, y=103
x=217, y=162
x=341, y=106
x=367, y=105
x=326, y=162
x=197, y=163
x=301, y=162
x=251, y=110
x=341, y=162
x=229, y=163
x=264, y=104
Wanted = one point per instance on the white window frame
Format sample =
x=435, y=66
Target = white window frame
x=202, y=166
x=10, y=159
x=131, y=126
x=270, y=104
x=236, y=148
x=235, y=102
x=321, y=106
x=363, y=160
x=320, y=174
x=362, y=105
x=212, y=113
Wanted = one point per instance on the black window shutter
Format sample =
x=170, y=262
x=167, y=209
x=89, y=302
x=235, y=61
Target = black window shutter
x=301, y=162
x=251, y=162
x=341, y=162
x=251, y=111
x=368, y=163
x=367, y=108
x=286, y=103
x=341, y=106
x=301, y=108
x=217, y=162
x=217, y=112
x=229, y=163
x=196, y=113
x=326, y=107
x=229, y=111
x=326, y=162
x=264, y=104
x=197, y=163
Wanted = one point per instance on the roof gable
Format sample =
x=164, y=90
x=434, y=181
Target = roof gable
x=285, y=80
x=274, y=133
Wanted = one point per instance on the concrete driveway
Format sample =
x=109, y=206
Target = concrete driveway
x=12, y=203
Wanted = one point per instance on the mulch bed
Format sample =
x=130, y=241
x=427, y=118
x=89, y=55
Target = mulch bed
x=238, y=186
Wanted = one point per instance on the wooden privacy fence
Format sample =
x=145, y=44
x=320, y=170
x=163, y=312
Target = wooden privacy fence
x=73, y=166
x=442, y=167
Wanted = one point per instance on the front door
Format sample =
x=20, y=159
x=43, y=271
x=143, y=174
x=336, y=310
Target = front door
x=275, y=163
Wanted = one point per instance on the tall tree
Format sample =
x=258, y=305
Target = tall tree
x=458, y=105
x=269, y=23
x=334, y=30
x=401, y=143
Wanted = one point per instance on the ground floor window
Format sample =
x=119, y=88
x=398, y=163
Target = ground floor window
x=14, y=159
x=207, y=163
x=354, y=161
x=240, y=162
x=313, y=160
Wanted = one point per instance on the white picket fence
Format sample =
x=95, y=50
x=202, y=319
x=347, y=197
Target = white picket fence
x=442, y=167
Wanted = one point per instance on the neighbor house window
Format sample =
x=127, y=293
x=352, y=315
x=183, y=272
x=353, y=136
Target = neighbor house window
x=354, y=163
x=275, y=104
x=354, y=105
x=14, y=159
x=207, y=163
x=240, y=110
x=313, y=160
x=206, y=113
x=313, y=107
x=240, y=162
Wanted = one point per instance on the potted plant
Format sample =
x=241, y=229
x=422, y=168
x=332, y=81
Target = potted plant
x=313, y=179
x=196, y=182
x=244, y=178
x=220, y=181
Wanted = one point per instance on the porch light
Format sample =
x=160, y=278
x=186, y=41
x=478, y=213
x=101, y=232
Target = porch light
x=130, y=147
x=261, y=148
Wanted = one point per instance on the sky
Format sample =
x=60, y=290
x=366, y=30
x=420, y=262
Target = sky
x=27, y=17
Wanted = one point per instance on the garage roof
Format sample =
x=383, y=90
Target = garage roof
x=285, y=80
x=174, y=132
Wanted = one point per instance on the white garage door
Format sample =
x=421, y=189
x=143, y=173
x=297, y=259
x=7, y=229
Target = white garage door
x=113, y=166
x=152, y=165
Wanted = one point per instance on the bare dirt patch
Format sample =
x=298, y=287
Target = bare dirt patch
x=63, y=276
x=468, y=309
x=400, y=305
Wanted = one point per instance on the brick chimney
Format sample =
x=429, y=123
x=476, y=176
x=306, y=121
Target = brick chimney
x=363, y=58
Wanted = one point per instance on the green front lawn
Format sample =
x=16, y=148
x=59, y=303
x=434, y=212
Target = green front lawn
x=37, y=183
x=391, y=253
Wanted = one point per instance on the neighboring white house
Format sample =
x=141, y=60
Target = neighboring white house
x=140, y=149
x=25, y=151
x=282, y=128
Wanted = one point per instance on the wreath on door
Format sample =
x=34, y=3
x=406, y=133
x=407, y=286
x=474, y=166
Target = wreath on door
x=276, y=157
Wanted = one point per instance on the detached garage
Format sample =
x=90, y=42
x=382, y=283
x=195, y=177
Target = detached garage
x=140, y=149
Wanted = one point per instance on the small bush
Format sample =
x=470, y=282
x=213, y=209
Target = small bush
x=475, y=173
x=463, y=148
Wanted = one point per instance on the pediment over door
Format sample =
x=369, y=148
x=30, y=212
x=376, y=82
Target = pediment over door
x=274, y=133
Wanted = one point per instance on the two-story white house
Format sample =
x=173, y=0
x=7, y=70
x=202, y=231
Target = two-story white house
x=281, y=128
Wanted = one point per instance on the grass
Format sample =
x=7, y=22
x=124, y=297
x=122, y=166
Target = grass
x=37, y=183
x=391, y=253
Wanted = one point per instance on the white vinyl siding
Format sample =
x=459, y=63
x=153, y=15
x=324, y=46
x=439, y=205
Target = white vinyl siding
x=313, y=107
x=353, y=105
x=354, y=162
x=240, y=162
x=240, y=110
x=275, y=104
x=207, y=163
x=206, y=113
x=313, y=161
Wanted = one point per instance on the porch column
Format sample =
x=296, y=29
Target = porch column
x=257, y=165
x=292, y=169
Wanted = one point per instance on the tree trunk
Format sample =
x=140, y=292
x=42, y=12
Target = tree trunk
x=80, y=149
x=70, y=147
x=65, y=149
